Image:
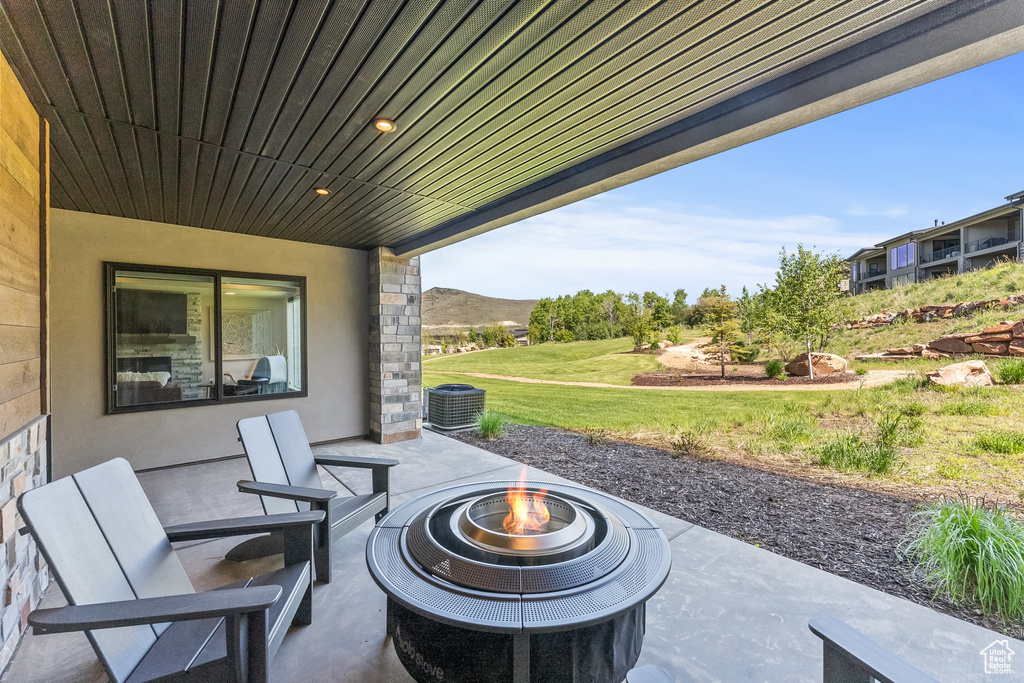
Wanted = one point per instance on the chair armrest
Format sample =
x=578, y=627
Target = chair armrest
x=848, y=650
x=353, y=461
x=241, y=526
x=187, y=607
x=305, y=494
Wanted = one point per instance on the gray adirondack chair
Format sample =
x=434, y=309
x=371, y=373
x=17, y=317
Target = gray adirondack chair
x=128, y=591
x=287, y=480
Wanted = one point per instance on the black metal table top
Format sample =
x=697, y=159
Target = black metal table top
x=643, y=568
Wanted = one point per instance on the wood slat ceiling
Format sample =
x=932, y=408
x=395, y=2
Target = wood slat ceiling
x=226, y=115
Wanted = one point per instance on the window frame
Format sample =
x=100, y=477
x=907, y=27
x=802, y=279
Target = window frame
x=217, y=395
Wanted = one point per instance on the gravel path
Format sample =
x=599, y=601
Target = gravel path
x=710, y=384
x=849, y=532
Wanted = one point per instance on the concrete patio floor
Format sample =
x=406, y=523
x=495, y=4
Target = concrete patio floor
x=728, y=612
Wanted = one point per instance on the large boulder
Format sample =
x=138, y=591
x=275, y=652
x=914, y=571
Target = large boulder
x=971, y=373
x=991, y=348
x=953, y=343
x=824, y=364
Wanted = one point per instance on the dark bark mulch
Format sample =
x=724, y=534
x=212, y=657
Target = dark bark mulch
x=683, y=379
x=846, y=531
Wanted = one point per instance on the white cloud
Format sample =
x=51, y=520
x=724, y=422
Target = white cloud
x=610, y=243
x=891, y=212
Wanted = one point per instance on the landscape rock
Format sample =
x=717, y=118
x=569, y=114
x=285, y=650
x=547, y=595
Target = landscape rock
x=824, y=364
x=1017, y=347
x=991, y=348
x=902, y=351
x=971, y=373
x=950, y=344
x=664, y=344
x=928, y=352
x=989, y=338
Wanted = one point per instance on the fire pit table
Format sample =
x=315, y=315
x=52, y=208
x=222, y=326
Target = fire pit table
x=517, y=582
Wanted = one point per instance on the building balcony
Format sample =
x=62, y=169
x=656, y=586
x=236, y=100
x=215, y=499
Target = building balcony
x=941, y=254
x=990, y=243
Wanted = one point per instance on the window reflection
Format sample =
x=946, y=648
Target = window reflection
x=159, y=332
x=261, y=336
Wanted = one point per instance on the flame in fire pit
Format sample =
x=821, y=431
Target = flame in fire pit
x=527, y=512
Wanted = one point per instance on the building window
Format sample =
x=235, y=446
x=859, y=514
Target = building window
x=180, y=337
x=901, y=256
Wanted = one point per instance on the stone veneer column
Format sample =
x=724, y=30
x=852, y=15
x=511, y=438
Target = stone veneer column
x=22, y=467
x=396, y=403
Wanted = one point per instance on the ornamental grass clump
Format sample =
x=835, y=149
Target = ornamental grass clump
x=1000, y=441
x=853, y=453
x=773, y=369
x=1011, y=371
x=491, y=425
x=972, y=553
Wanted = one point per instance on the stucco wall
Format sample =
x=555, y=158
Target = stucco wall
x=336, y=306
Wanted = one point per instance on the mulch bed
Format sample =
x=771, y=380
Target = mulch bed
x=849, y=532
x=662, y=378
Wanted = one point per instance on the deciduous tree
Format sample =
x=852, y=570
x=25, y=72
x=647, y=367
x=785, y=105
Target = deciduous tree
x=807, y=295
x=719, y=315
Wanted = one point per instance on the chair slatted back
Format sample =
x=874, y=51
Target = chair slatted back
x=100, y=536
x=279, y=453
x=133, y=531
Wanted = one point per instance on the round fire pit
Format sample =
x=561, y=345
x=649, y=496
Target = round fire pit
x=515, y=582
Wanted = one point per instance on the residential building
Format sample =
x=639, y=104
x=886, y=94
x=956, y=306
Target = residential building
x=971, y=243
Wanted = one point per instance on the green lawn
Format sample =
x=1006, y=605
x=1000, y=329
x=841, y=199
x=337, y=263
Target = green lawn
x=939, y=448
x=606, y=361
x=621, y=410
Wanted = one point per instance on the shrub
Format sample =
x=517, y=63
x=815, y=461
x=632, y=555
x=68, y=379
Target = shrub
x=851, y=453
x=491, y=425
x=746, y=354
x=690, y=442
x=972, y=553
x=968, y=407
x=912, y=408
x=1011, y=371
x=910, y=383
x=861, y=371
x=774, y=369
x=1000, y=441
x=675, y=335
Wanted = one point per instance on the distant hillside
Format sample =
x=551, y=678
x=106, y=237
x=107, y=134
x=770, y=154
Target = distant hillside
x=443, y=307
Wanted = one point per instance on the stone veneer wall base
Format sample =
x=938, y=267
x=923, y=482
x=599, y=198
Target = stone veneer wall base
x=396, y=402
x=25, y=573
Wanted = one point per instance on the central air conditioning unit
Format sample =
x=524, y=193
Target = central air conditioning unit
x=454, y=406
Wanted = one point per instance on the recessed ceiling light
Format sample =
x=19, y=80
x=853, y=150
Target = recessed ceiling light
x=385, y=125
x=323, y=191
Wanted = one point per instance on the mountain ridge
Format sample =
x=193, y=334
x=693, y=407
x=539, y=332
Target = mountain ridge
x=450, y=307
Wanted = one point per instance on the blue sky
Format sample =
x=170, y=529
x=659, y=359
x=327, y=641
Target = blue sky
x=943, y=151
